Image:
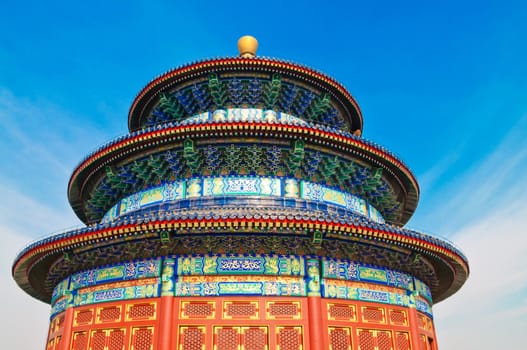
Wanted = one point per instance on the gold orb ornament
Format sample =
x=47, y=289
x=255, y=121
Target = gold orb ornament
x=247, y=45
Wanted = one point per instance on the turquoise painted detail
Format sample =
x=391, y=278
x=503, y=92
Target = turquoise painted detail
x=58, y=307
x=287, y=265
x=120, y=272
x=215, y=275
x=422, y=290
x=313, y=277
x=265, y=288
x=167, y=277
x=246, y=115
x=124, y=293
x=241, y=186
x=60, y=290
x=333, y=290
x=352, y=271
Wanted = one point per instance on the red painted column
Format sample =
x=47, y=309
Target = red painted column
x=165, y=324
x=316, y=329
x=65, y=340
x=414, y=324
x=166, y=305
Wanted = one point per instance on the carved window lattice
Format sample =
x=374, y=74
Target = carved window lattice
x=366, y=340
x=110, y=314
x=341, y=311
x=424, y=342
x=421, y=321
x=59, y=323
x=428, y=323
x=227, y=338
x=51, y=329
x=255, y=338
x=199, y=309
x=289, y=338
x=80, y=341
x=240, y=310
x=84, y=317
x=397, y=317
x=402, y=341
x=372, y=315
x=143, y=339
x=98, y=340
x=384, y=340
x=53, y=344
x=192, y=338
x=375, y=340
x=283, y=309
x=142, y=311
x=339, y=339
x=116, y=339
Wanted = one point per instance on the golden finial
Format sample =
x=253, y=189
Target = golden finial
x=247, y=45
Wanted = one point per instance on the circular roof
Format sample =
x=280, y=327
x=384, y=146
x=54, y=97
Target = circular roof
x=42, y=264
x=276, y=84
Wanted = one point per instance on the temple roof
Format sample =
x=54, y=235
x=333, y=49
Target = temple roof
x=333, y=157
x=245, y=82
x=435, y=261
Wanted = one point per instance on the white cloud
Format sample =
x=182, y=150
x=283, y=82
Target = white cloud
x=24, y=320
x=22, y=213
x=21, y=218
x=490, y=311
x=39, y=144
x=478, y=190
x=26, y=126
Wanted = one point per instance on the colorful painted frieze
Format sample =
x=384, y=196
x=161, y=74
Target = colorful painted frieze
x=339, y=289
x=60, y=290
x=423, y=307
x=247, y=115
x=240, y=265
x=242, y=186
x=423, y=290
x=58, y=307
x=227, y=186
x=113, y=293
x=353, y=271
x=229, y=285
x=120, y=272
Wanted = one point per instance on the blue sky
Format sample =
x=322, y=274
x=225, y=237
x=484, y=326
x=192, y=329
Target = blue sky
x=443, y=85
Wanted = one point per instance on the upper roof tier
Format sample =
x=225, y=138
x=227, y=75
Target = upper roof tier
x=245, y=82
x=195, y=103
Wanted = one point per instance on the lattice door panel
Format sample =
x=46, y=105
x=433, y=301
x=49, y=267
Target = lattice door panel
x=426, y=343
x=102, y=339
x=192, y=338
x=255, y=338
x=375, y=339
x=241, y=338
x=402, y=341
x=80, y=341
x=53, y=344
x=339, y=338
x=289, y=338
x=142, y=338
x=227, y=338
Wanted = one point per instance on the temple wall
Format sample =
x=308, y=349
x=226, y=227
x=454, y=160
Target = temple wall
x=241, y=302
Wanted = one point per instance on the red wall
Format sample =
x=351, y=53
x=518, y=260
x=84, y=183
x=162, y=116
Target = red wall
x=250, y=323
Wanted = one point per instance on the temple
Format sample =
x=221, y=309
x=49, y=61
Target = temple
x=243, y=210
